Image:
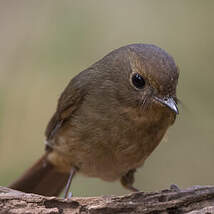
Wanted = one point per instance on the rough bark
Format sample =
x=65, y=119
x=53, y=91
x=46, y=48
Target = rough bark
x=194, y=200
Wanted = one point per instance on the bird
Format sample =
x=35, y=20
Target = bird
x=108, y=120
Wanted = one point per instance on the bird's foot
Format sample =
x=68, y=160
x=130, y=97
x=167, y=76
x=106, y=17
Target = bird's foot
x=175, y=187
x=128, y=179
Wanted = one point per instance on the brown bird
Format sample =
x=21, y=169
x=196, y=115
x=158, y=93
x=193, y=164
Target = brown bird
x=108, y=120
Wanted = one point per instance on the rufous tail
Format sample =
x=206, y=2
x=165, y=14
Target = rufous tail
x=42, y=178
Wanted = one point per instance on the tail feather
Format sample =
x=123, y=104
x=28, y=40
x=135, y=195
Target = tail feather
x=42, y=178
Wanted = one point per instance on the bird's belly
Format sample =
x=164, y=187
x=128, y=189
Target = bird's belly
x=107, y=163
x=108, y=153
x=110, y=164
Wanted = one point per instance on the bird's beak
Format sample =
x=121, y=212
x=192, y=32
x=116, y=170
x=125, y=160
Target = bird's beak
x=169, y=102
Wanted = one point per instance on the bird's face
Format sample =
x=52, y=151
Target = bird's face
x=149, y=76
x=155, y=81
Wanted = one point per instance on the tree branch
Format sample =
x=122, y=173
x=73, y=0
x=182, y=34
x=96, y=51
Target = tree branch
x=194, y=200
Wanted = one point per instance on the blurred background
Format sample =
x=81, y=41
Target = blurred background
x=43, y=44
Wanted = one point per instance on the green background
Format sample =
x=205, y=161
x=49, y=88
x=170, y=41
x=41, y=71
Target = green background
x=43, y=44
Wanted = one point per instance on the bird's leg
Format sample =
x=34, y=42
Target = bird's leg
x=128, y=180
x=72, y=173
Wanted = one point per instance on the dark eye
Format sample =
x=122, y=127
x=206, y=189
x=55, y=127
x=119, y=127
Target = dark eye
x=138, y=81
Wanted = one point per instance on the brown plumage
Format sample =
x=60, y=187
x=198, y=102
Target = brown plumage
x=42, y=178
x=109, y=119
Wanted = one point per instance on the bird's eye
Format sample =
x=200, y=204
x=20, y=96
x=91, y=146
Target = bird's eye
x=138, y=81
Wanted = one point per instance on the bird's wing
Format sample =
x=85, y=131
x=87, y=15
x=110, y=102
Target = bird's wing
x=68, y=103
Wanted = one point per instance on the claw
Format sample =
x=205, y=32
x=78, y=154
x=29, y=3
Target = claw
x=175, y=187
